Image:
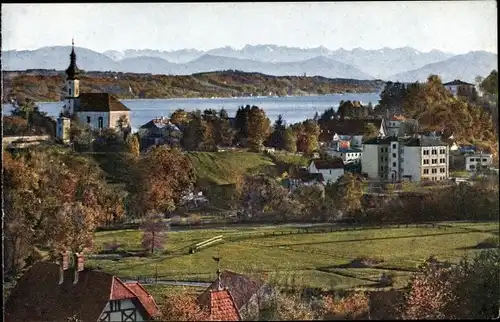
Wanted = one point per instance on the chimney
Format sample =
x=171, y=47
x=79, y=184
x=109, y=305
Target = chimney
x=63, y=265
x=78, y=262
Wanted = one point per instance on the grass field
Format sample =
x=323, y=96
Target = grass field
x=314, y=259
x=224, y=167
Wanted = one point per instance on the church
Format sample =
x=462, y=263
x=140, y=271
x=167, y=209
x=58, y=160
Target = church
x=97, y=110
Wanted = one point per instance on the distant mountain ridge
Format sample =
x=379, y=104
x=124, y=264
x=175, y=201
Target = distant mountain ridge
x=385, y=63
x=464, y=67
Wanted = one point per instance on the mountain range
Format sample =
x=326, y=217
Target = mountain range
x=404, y=64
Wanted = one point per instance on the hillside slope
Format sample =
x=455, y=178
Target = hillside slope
x=44, y=85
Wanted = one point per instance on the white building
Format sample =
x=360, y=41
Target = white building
x=457, y=85
x=351, y=130
x=347, y=155
x=331, y=170
x=478, y=161
x=413, y=159
x=97, y=110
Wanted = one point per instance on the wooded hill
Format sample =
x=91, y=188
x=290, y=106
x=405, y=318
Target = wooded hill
x=48, y=85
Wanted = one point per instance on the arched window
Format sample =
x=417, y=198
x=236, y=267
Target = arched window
x=100, y=122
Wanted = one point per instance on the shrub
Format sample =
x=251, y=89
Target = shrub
x=194, y=219
x=182, y=307
x=353, y=306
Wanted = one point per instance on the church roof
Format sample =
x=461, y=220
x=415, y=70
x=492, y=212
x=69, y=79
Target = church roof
x=72, y=70
x=100, y=102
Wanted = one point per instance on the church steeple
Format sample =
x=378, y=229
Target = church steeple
x=72, y=70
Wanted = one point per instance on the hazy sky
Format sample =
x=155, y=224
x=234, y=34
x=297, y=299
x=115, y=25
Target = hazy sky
x=454, y=26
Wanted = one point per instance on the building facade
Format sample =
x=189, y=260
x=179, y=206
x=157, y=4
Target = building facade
x=411, y=159
x=457, y=87
x=478, y=161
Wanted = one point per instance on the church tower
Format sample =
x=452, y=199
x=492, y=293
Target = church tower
x=72, y=84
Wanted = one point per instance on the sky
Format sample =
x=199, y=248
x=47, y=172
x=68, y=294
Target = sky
x=451, y=26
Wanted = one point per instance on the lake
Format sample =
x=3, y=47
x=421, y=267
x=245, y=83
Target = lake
x=293, y=108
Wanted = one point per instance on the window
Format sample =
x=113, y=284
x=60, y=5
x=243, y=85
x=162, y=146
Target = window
x=100, y=122
x=341, y=154
x=394, y=164
x=394, y=155
x=442, y=151
x=485, y=160
x=88, y=119
x=442, y=160
x=426, y=171
x=426, y=152
x=426, y=161
x=434, y=171
x=330, y=171
x=472, y=166
x=434, y=161
x=434, y=151
x=70, y=92
x=442, y=170
x=394, y=145
x=114, y=305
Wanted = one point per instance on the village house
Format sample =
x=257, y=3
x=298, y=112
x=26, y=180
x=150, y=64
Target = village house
x=53, y=292
x=457, y=87
x=222, y=307
x=97, y=110
x=248, y=294
x=478, y=162
x=331, y=170
x=411, y=159
x=347, y=155
x=159, y=131
x=399, y=126
x=302, y=177
x=352, y=130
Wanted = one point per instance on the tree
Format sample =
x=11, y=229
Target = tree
x=241, y=124
x=347, y=193
x=307, y=134
x=133, y=145
x=109, y=140
x=290, y=141
x=122, y=123
x=258, y=128
x=224, y=130
x=369, y=131
x=392, y=97
x=468, y=290
x=165, y=175
x=155, y=232
x=490, y=84
x=183, y=307
x=179, y=117
x=195, y=133
x=277, y=139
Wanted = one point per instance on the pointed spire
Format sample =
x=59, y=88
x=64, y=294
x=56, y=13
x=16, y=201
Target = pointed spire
x=72, y=70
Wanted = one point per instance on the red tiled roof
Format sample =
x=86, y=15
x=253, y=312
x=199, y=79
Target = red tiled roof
x=336, y=163
x=222, y=306
x=146, y=299
x=37, y=296
x=100, y=102
x=119, y=291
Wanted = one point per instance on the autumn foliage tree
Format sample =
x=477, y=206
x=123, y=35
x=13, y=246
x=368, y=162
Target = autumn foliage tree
x=468, y=290
x=258, y=128
x=182, y=307
x=155, y=232
x=164, y=176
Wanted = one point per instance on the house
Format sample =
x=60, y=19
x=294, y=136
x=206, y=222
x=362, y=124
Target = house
x=247, y=293
x=97, y=110
x=331, y=169
x=399, y=126
x=222, y=306
x=53, y=292
x=478, y=161
x=352, y=130
x=159, y=131
x=457, y=87
x=303, y=178
x=414, y=159
x=347, y=155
